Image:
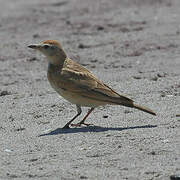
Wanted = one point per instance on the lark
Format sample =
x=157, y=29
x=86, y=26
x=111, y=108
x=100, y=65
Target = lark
x=77, y=84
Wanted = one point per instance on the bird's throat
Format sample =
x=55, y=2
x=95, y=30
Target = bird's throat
x=54, y=68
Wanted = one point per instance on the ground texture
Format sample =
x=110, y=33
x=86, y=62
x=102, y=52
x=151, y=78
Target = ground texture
x=134, y=46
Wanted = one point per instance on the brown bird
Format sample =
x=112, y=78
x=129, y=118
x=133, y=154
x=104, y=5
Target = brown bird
x=77, y=84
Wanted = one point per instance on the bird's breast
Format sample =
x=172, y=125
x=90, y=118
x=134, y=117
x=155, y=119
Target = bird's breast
x=57, y=84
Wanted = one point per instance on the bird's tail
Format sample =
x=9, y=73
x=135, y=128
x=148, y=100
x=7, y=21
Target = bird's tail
x=145, y=109
x=124, y=101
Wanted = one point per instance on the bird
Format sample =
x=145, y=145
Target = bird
x=78, y=85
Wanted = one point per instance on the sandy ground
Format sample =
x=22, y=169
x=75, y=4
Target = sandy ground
x=134, y=46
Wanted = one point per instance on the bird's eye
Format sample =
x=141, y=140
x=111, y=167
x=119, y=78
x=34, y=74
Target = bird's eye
x=46, y=46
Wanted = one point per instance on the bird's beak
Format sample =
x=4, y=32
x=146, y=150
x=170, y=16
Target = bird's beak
x=34, y=46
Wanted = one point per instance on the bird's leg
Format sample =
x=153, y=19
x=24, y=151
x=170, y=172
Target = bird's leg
x=79, y=112
x=82, y=122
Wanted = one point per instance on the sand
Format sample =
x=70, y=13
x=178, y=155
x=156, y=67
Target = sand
x=134, y=47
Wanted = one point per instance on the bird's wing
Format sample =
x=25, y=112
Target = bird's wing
x=78, y=79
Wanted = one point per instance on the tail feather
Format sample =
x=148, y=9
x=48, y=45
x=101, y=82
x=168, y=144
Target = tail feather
x=145, y=109
x=124, y=101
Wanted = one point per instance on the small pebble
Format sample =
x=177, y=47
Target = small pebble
x=100, y=28
x=153, y=153
x=8, y=150
x=33, y=160
x=94, y=60
x=175, y=177
x=83, y=177
x=36, y=36
x=32, y=59
x=20, y=129
x=4, y=93
x=136, y=77
x=82, y=46
x=154, y=78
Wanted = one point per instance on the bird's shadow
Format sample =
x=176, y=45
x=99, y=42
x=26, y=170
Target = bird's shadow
x=93, y=129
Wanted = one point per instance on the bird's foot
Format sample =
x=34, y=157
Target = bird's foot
x=80, y=124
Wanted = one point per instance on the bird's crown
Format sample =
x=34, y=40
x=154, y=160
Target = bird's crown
x=52, y=42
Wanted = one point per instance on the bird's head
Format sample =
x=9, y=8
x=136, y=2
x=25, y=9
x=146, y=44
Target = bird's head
x=52, y=49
